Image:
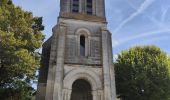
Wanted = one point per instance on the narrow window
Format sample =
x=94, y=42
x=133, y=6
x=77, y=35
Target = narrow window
x=89, y=8
x=75, y=6
x=82, y=45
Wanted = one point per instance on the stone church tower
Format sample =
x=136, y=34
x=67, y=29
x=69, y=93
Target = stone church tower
x=77, y=60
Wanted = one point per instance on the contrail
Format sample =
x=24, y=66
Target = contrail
x=143, y=6
x=158, y=23
x=164, y=13
x=146, y=34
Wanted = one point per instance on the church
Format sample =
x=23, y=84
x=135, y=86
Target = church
x=77, y=60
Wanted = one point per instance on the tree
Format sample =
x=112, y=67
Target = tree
x=143, y=73
x=20, y=37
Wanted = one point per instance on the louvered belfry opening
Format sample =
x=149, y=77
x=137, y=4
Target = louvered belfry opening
x=89, y=7
x=75, y=6
x=81, y=90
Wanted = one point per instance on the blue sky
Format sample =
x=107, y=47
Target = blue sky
x=132, y=22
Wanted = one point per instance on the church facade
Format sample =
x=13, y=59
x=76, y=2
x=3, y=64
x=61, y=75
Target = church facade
x=77, y=62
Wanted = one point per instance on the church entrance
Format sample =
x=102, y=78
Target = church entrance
x=81, y=90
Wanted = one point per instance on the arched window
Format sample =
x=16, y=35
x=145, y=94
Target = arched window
x=82, y=45
x=75, y=6
x=89, y=7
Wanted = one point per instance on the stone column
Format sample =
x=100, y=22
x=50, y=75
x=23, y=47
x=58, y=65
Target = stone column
x=95, y=97
x=112, y=72
x=66, y=94
x=106, y=69
x=100, y=94
x=58, y=84
x=94, y=7
x=69, y=94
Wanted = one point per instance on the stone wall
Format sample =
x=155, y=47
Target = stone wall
x=93, y=43
x=43, y=71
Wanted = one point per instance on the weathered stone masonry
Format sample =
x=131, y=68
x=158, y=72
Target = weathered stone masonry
x=65, y=72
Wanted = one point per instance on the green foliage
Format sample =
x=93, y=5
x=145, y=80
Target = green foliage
x=143, y=73
x=19, y=91
x=20, y=37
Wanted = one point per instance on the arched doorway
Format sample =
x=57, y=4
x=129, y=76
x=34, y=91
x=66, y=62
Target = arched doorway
x=81, y=90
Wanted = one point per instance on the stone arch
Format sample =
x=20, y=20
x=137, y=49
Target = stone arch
x=83, y=32
x=85, y=74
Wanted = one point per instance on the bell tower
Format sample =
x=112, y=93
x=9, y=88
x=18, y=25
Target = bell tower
x=77, y=62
